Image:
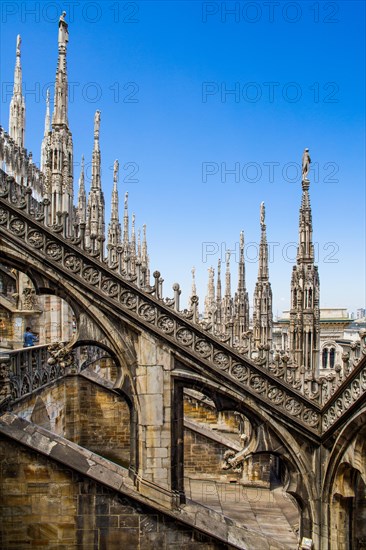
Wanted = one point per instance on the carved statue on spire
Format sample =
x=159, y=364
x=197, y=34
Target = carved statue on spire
x=305, y=164
x=126, y=200
x=19, y=41
x=262, y=214
x=115, y=170
x=96, y=124
x=63, y=33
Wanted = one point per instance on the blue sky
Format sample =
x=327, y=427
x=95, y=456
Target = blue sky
x=196, y=159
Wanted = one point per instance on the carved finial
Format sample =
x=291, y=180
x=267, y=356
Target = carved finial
x=193, y=286
x=241, y=239
x=228, y=254
x=126, y=199
x=262, y=214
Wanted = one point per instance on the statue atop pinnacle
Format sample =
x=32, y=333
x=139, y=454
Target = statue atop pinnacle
x=262, y=214
x=96, y=124
x=305, y=165
x=63, y=33
x=19, y=41
x=115, y=170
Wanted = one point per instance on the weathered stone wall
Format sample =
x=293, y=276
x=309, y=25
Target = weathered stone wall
x=204, y=411
x=204, y=456
x=86, y=414
x=45, y=505
x=199, y=410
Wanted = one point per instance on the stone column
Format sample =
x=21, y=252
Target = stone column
x=153, y=383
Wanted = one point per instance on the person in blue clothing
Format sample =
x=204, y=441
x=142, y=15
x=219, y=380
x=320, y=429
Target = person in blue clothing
x=29, y=337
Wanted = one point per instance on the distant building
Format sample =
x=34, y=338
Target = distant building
x=361, y=313
x=335, y=332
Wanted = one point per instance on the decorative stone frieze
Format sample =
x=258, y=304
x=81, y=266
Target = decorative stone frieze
x=353, y=389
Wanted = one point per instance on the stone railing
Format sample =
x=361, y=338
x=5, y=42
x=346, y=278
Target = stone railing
x=21, y=195
x=159, y=316
x=351, y=391
x=24, y=370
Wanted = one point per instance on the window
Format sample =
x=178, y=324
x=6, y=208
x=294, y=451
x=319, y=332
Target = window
x=331, y=357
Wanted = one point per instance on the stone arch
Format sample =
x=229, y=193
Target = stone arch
x=271, y=437
x=86, y=413
x=345, y=478
x=93, y=323
x=347, y=509
x=126, y=390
